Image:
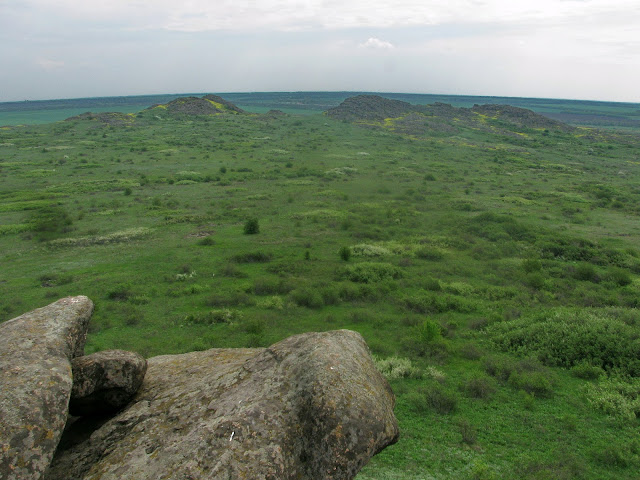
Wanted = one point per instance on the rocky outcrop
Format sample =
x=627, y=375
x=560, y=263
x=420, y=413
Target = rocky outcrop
x=196, y=106
x=370, y=107
x=312, y=406
x=106, y=381
x=35, y=377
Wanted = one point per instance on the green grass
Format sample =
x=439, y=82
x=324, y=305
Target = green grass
x=466, y=251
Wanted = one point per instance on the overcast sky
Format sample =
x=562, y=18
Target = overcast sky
x=582, y=49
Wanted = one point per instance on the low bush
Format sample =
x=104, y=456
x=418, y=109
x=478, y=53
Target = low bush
x=567, y=337
x=307, y=297
x=616, y=397
x=252, y=257
x=535, y=383
x=430, y=303
x=251, y=227
x=232, y=299
x=369, y=272
x=479, y=386
x=211, y=317
x=271, y=286
x=396, y=367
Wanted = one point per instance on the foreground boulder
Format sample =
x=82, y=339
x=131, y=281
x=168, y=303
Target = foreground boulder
x=35, y=383
x=106, y=381
x=312, y=406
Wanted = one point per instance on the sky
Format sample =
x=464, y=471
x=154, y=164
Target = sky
x=576, y=49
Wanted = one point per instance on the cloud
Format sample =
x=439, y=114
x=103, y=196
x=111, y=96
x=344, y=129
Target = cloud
x=287, y=15
x=376, y=44
x=49, y=64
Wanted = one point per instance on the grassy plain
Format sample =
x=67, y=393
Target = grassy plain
x=493, y=273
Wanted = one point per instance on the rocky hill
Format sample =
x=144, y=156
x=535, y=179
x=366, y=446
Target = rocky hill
x=178, y=108
x=207, y=105
x=440, y=118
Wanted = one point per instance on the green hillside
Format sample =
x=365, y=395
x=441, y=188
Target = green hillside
x=489, y=256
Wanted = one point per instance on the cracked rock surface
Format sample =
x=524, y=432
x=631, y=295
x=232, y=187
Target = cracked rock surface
x=312, y=406
x=36, y=350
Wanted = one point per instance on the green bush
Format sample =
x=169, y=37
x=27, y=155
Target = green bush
x=211, y=317
x=233, y=299
x=430, y=303
x=585, y=272
x=344, y=253
x=534, y=383
x=251, y=226
x=619, y=277
x=207, y=241
x=252, y=257
x=616, y=397
x=479, y=386
x=439, y=398
x=370, y=272
x=586, y=371
x=567, y=337
x=396, y=367
x=50, y=222
x=271, y=286
x=307, y=297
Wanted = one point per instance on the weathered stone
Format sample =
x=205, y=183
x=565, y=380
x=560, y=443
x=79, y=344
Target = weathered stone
x=106, y=381
x=312, y=406
x=35, y=377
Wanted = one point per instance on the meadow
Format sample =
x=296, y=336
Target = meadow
x=493, y=270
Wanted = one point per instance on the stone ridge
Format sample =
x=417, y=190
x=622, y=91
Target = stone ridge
x=311, y=407
x=36, y=350
x=376, y=109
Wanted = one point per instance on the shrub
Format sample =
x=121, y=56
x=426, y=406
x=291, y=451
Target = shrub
x=434, y=303
x=439, y=398
x=251, y=226
x=367, y=250
x=429, y=253
x=534, y=383
x=273, y=303
x=586, y=371
x=479, y=386
x=499, y=367
x=395, y=367
x=307, y=297
x=230, y=270
x=233, y=299
x=211, y=317
x=206, y=241
x=432, y=285
x=120, y=293
x=270, y=286
x=344, y=253
x=619, y=277
x=531, y=265
x=428, y=331
x=567, y=337
x=616, y=397
x=585, y=272
x=50, y=222
x=252, y=257
x=370, y=272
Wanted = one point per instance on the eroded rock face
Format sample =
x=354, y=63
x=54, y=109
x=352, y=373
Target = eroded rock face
x=312, y=406
x=35, y=383
x=106, y=381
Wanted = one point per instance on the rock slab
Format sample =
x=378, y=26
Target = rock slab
x=312, y=406
x=106, y=381
x=35, y=374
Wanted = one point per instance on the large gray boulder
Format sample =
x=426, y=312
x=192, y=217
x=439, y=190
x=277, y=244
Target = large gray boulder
x=35, y=383
x=106, y=381
x=312, y=407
